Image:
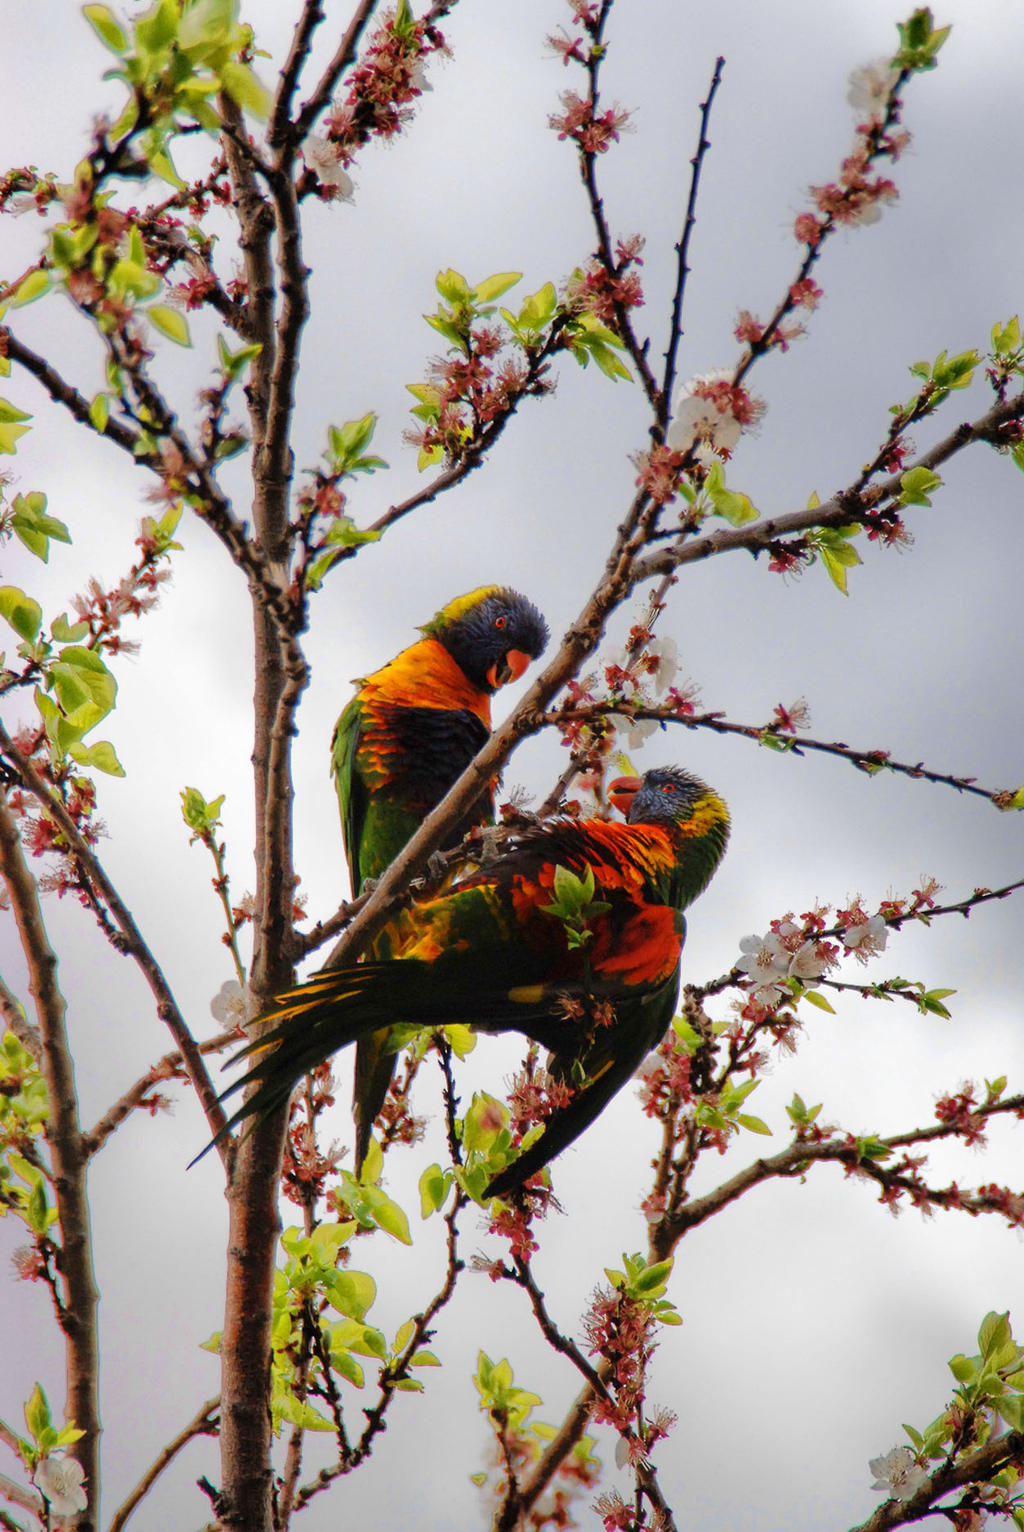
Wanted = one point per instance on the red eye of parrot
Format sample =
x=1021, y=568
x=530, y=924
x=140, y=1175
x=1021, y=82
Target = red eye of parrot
x=500, y=622
x=668, y=787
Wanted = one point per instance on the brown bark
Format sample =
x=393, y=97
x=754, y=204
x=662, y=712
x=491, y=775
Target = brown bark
x=280, y=677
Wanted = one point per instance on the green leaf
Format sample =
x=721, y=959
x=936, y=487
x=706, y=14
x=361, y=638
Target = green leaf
x=102, y=19
x=403, y=1336
x=494, y=287
x=917, y=484
x=85, y=687
x=445, y=327
x=351, y=1292
x=234, y=363
x=10, y=427
x=37, y=1413
x=931, y=1002
x=452, y=286
x=1011, y=1408
x=650, y=1282
x=753, y=1124
x=434, y=1186
x=24, y=615
x=243, y=86
x=349, y=442
x=197, y=813
x=1006, y=338
x=32, y=525
x=170, y=322
x=102, y=755
x=995, y=1338
x=814, y=998
x=387, y=1215
x=99, y=412
x=35, y=285
x=736, y=509
x=483, y=1123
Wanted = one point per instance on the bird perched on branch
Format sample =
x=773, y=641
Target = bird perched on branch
x=572, y=938
x=405, y=738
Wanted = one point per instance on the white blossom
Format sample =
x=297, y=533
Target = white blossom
x=666, y=652
x=59, y=1480
x=766, y=960
x=418, y=77
x=867, y=939
x=228, y=1005
x=898, y=1474
x=636, y=730
x=697, y=418
x=869, y=87
x=322, y=157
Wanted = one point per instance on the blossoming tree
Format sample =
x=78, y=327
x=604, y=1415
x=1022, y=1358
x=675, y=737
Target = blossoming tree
x=183, y=226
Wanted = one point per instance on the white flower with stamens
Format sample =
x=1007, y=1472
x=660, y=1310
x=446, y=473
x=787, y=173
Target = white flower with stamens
x=867, y=939
x=710, y=414
x=59, y=1481
x=898, y=1474
x=323, y=157
x=765, y=960
x=228, y=1005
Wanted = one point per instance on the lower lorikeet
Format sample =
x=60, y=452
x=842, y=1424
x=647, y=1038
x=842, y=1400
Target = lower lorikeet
x=501, y=951
x=405, y=738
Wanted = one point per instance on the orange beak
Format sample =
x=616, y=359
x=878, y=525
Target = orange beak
x=621, y=793
x=509, y=668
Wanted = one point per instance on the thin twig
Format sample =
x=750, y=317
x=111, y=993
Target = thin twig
x=15, y=1019
x=588, y=172
x=202, y=1423
x=170, y=1067
x=79, y=1296
x=664, y=402
x=133, y=943
x=869, y=761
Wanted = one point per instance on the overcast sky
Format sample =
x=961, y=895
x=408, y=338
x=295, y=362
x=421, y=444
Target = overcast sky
x=814, y=1322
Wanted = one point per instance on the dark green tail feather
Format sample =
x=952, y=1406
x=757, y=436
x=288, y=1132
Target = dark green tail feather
x=339, y=1007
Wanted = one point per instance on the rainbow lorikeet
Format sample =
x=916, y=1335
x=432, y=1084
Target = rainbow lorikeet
x=573, y=938
x=405, y=738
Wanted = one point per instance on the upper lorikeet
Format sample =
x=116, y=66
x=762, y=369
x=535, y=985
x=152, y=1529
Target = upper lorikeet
x=492, y=953
x=405, y=738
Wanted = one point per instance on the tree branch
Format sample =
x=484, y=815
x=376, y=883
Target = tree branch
x=201, y=1424
x=80, y=1298
x=170, y=1067
x=130, y=936
x=977, y=1467
x=844, y=507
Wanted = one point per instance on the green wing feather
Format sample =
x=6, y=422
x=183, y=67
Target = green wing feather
x=349, y=785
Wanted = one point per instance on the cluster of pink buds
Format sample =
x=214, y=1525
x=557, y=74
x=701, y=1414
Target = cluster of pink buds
x=594, y=132
x=378, y=103
x=857, y=196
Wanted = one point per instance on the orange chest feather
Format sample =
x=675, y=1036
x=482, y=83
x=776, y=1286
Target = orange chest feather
x=425, y=675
